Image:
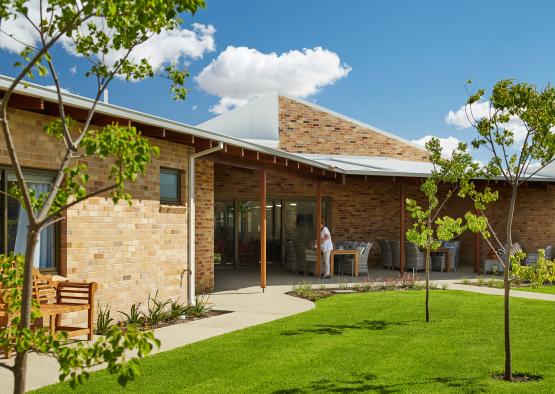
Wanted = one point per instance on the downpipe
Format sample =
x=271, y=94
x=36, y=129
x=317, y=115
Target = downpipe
x=191, y=260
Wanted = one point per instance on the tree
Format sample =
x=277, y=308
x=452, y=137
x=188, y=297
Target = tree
x=94, y=28
x=454, y=175
x=517, y=131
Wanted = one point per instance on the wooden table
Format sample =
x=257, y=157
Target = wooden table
x=447, y=253
x=350, y=252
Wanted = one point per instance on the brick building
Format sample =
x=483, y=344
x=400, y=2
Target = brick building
x=309, y=156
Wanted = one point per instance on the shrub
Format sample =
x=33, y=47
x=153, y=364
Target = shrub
x=134, y=317
x=103, y=320
x=177, y=310
x=444, y=285
x=201, y=307
x=343, y=284
x=365, y=284
x=156, y=310
x=538, y=274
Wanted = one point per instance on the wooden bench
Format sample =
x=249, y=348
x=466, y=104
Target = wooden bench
x=55, y=299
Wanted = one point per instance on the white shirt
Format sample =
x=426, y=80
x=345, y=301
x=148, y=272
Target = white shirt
x=327, y=245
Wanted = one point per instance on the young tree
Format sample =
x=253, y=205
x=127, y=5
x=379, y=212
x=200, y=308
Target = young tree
x=94, y=29
x=454, y=176
x=517, y=131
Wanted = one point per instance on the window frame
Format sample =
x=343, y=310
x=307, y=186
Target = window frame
x=4, y=217
x=173, y=171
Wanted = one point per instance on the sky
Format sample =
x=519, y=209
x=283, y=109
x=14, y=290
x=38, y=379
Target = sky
x=398, y=65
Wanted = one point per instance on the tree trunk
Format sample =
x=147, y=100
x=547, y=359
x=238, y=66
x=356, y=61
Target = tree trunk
x=508, y=375
x=427, y=285
x=20, y=368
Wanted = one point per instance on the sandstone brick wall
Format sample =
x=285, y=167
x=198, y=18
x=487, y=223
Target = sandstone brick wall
x=130, y=251
x=304, y=129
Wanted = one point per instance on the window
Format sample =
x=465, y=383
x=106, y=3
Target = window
x=170, y=186
x=14, y=221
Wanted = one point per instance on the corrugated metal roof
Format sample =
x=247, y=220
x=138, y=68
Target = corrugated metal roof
x=386, y=166
x=351, y=165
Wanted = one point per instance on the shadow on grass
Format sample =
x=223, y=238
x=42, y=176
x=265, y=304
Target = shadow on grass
x=334, y=329
x=366, y=383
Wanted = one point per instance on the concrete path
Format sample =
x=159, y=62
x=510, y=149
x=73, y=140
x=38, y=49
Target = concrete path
x=500, y=292
x=249, y=307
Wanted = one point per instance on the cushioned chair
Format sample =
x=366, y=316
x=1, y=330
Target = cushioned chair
x=395, y=246
x=290, y=256
x=347, y=265
x=439, y=260
x=532, y=258
x=415, y=258
x=385, y=254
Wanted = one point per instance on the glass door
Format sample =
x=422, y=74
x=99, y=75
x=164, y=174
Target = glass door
x=224, y=216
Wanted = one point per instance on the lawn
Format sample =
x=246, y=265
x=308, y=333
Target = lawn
x=542, y=289
x=371, y=342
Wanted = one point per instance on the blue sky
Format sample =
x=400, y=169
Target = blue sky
x=402, y=65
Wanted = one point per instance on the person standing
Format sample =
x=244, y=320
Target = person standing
x=327, y=247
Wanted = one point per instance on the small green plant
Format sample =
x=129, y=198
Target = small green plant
x=466, y=281
x=202, y=306
x=103, y=320
x=495, y=283
x=177, y=310
x=303, y=289
x=357, y=286
x=365, y=284
x=156, y=310
x=444, y=285
x=134, y=317
x=480, y=281
x=434, y=285
x=343, y=284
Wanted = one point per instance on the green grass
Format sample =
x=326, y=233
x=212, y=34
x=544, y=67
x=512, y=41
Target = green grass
x=542, y=289
x=371, y=342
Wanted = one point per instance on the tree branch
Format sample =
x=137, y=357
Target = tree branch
x=50, y=217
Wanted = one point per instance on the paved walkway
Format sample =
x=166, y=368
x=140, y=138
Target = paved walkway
x=500, y=292
x=250, y=307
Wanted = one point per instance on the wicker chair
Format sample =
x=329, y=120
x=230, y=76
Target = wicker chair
x=439, y=260
x=532, y=258
x=415, y=258
x=385, y=252
x=363, y=249
x=395, y=246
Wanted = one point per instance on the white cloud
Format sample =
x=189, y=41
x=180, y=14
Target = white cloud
x=448, y=144
x=21, y=30
x=168, y=46
x=240, y=74
x=226, y=104
x=53, y=87
x=459, y=119
x=194, y=107
x=73, y=70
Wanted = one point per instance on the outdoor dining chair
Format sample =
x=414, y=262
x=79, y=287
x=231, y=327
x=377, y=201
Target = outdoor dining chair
x=385, y=252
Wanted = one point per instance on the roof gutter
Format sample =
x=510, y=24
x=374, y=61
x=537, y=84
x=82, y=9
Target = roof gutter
x=192, y=222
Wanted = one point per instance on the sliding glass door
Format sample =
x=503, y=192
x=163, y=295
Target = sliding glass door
x=237, y=229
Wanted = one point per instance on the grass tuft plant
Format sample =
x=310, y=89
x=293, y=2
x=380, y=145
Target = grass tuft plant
x=103, y=320
x=134, y=317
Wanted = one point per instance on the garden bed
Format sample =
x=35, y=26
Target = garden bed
x=314, y=292
x=515, y=285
